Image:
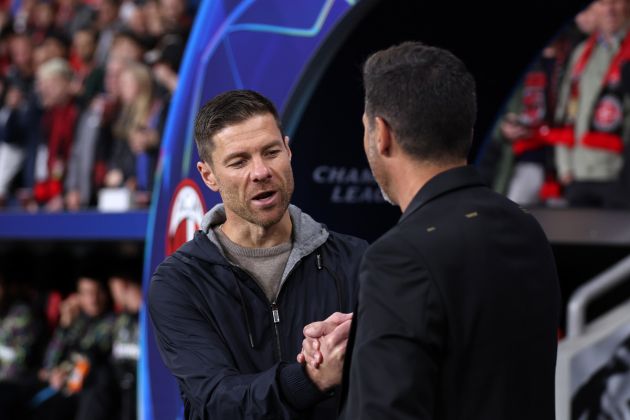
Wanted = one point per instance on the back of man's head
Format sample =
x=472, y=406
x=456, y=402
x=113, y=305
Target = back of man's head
x=229, y=108
x=427, y=97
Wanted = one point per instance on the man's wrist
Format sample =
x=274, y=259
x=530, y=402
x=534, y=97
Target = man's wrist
x=298, y=388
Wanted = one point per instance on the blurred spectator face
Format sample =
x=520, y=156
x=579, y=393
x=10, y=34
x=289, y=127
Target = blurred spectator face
x=84, y=45
x=137, y=21
x=614, y=15
x=53, y=82
x=14, y=97
x=587, y=20
x=133, y=298
x=44, y=15
x=55, y=48
x=107, y=14
x=117, y=288
x=91, y=296
x=152, y=18
x=40, y=56
x=172, y=10
x=130, y=87
x=126, y=48
x=21, y=52
x=112, y=75
x=53, y=90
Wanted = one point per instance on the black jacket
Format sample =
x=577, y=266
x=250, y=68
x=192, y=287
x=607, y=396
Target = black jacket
x=216, y=332
x=458, y=311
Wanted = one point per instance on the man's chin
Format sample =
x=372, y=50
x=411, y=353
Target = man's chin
x=266, y=218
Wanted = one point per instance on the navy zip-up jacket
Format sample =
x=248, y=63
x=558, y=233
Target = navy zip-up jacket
x=233, y=351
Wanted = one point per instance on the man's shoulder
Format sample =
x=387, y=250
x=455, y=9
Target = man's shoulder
x=192, y=262
x=350, y=246
x=349, y=240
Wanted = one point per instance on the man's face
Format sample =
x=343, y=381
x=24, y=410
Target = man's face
x=613, y=15
x=91, y=297
x=371, y=152
x=251, y=169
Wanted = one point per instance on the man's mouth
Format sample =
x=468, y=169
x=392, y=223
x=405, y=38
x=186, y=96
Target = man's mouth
x=265, y=197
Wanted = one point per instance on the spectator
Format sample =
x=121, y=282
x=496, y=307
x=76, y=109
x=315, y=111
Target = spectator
x=19, y=109
x=125, y=347
x=12, y=135
x=92, y=149
x=17, y=332
x=43, y=22
x=136, y=133
x=107, y=24
x=526, y=168
x=73, y=15
x=592, y=113
x=77, y=354
x=88, y=79
x=53, y=83
x=174, y=17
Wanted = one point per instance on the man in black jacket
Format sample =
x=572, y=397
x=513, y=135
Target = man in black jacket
x=459, y=302
x=228, y=307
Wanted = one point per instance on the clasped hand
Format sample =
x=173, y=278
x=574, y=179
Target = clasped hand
x=324, y=349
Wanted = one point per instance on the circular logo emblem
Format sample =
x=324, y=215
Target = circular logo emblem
x=534, y=106
x=608, y=114
x=184, y=216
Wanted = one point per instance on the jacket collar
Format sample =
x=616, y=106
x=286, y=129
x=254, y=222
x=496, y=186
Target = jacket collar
x=307, y=235
x=443, y=183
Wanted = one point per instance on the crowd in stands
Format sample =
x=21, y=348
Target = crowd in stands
x=562, y=138
x=70, y=358
x=84, y=91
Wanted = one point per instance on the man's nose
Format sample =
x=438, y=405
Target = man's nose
x=260, y=170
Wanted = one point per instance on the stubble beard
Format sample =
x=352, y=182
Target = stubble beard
x=262, y=218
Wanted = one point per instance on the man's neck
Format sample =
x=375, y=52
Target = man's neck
x=249, y=235
x=413, y=175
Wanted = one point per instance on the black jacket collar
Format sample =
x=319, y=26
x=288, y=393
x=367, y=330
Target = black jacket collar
x=442, y=183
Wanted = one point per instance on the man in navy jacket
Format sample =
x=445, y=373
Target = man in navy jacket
x=228, y=307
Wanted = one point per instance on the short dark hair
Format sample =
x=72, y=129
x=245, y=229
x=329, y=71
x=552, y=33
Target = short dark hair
x=427, y=97
x=229, y=108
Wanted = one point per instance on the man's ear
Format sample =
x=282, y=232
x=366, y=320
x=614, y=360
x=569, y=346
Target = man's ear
x=384, y=137
x=207, y=174
x=286, y=144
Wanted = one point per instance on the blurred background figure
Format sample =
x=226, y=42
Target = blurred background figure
x=54, y=79
x=136, y=133
x=76, y=359
x=18, y=330
x=526, y=170
x=592, y=113
x=126, y=341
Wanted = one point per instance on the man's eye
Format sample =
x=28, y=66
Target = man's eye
x=273, y=152
x=237, y=163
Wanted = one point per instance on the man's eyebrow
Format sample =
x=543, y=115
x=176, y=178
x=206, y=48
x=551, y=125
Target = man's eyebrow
x=274, y=143
x=243, y=153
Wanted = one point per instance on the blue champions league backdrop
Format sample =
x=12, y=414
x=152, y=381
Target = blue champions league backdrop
x=264, y=45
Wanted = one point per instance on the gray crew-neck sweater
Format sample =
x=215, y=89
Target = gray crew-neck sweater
x=265, y=265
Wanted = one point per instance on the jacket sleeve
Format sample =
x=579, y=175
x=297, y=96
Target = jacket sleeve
x=207, y=373
x=394, y=366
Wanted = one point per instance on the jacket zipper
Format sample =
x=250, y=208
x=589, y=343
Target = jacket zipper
x=276, y=320
x=275, y=312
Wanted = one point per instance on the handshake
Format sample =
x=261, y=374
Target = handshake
x=324, y=349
